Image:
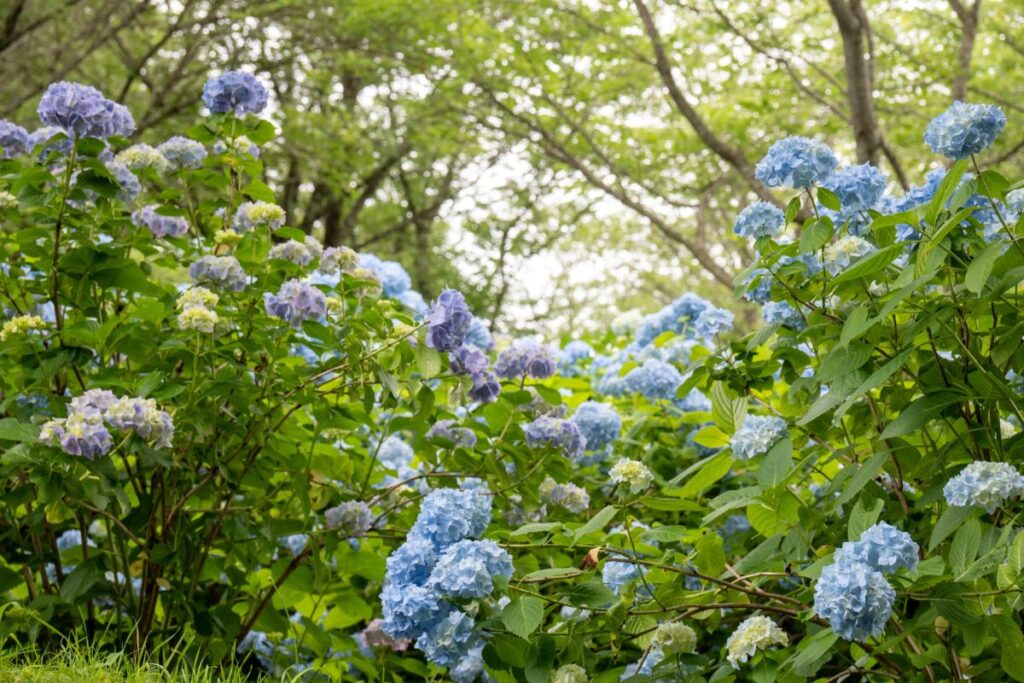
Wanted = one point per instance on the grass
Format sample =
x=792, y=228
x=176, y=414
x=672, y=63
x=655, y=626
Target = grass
x=77, y=663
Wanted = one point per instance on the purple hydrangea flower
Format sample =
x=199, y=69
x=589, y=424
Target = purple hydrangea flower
x=234, y=91
x=159, y=225
x=219, y=272
x=525, y=357
x=83, y=111
x=485, y=387
x=562, y=434
x=296, y=302
x=14, y=140
x=182, y=152
x=448, y=321
x=446, y=429
x=468, y=360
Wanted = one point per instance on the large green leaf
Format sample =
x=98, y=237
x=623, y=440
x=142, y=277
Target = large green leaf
x=523, y=615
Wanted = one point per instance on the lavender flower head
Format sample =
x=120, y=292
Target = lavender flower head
x=525, y=357
x=14, y=140
x=234, y=91
x=562, y=434
x=447, y=430
x=797, y=163
x=83, y=111
x=77, y=435
x=964, y=129
x=182, y=153
x=468, y=360
x=485, y=387
x=159, y=225
x=448, y=321
x=351, y=518
x=296, y=302
x=219, y=272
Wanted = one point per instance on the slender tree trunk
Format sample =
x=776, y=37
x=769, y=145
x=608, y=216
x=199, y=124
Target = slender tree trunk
x=968, y=16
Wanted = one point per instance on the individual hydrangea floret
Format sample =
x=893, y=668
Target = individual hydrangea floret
x=631, y=472
x=449, y=639
x=450, y=515
x=760, y=219
x=571, y=356
x=757, y=435
x=219, y=272
x=448, y=321
x=158, y=224
x=713, y=321
x=234, y=91
x=552, y=431
x=447, y=430
x=883, y=547
x=350, y=518
x=142, y=156
x=77, y=435
x=755, y=633
x=599, y=423
x=252, y=215
x=797, y=163
x=412, y=562
x=964, y=129
x=846, y=250
x=855, y=599
x=181, y=152
x=21, y=325
x=675, y=637
x=526, y=357
x=467, y=569
x=985, y=485
x=655, y=379
x=296, y=302
x=14, y=140
x=569, y=496
x=858, y=188
x=82, y=111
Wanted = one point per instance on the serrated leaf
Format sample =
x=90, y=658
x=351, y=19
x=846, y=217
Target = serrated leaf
x=776, y=463
x=553, y=573
x=815, y=236
x=965, y=545
x=428, y=361
x=595, y=523
x=523, y=615
x=1012, y=644
x=713, y=470
x=981, y=267
x=22, y=432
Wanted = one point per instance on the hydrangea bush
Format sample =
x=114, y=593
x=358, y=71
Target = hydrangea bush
x=221, y=438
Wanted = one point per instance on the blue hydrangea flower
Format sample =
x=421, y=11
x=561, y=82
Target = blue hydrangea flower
x=296, y=302
x=782, y=312
x=599, y=423
x=14, y=140
x=964, y=129
x=571, y=355
x=449, y=515
x=757, y=435
x=645, y=667
x=985, y=485
x=654, y=379
x=713, y=321
x=234, y=91
x=129, y=185
x=470, y=667
x=485, y=387
x=468, y=360
x=446, y=429
x=760, y=219
x=408, y=610
x=1015, y=200
x=615, y=575
x=77, y=435
x=219, y=272
x=525, y=357
x=478, y=335
x=351, y=518
x=394, y=453
x=734, y=524
x=858, y=187
x=797, y=163
x=159, y=225
x=449, y=638
x=393, y=277
x=182, y=152
x=883, y=547
x=467, y=569
x=569, y=496
x=448, y=321
x=671, y=318
x=551, y=431
x=82, y=111
x=414, y=301
x=694, y=402
x=294, y=543
x=411, y=563
x=757, y=286
x=855, y=599
x=844, y=252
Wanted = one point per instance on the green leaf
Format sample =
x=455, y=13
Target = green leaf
x=1015, y=554
x=1012, y=645
x=862, y=518
x=865, y=473
x=815, y=236
x=595, y=523
x=259, y=190
x=523, y=615
x=776, y=463
x=811, y=654
x=918, y=413
x=711, y=437
x=869, y=265
x=981, y=267
x=77, y=583
x=553, y=573
x=965, y=545
x=724, y=409
x=22, y=432
x=793, y=208
x=856, y=324
x=713, y=470
x=828, y=199
x=428, y=361
x=710, y=557
x=949, y=521
x=945, y=190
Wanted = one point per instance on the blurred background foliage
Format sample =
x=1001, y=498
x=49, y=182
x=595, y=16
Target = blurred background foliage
x=558, y=160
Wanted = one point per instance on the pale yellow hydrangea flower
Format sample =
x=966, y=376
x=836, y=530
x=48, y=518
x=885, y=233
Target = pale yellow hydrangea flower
x=21, y=325
x=632, y=472
x=756, y=633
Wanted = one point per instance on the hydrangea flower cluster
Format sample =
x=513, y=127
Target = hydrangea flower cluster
x=219, y=272
x=129, y=185
x=195, y=310
x=858, y=187
x=526, y=357
x=783, y=313
x=252, y=215
x=394, y=453
x=458, y=436
x=757, y=632
x=654, y=379
x=350, y=518
x=757, y=435
x=14, y=140
x=631, y=472
x=234, y=91
x=985, y=485
x=20, y=325
x=964, y=129
x=84, y=431
x=842, y=253
x=158, y=224
x=82, y=111
x=571, y=356
x=883, y=547
x=393, y=278
x=299, y=253
x=181, y=152
x=296, y=302
x=760, y=219
x=564, y=435
x=675, y=317
x=599, y=423
x=142, y=156
x=797, y=163
x=570, y=673
x=438, y=561
x=675, y=637
x=7, y=200
x=479, y=335
x=448, y=321
x=338, y=258
x=615, y=575
x=855, y=599
x=569, y=496
x=713, y=321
